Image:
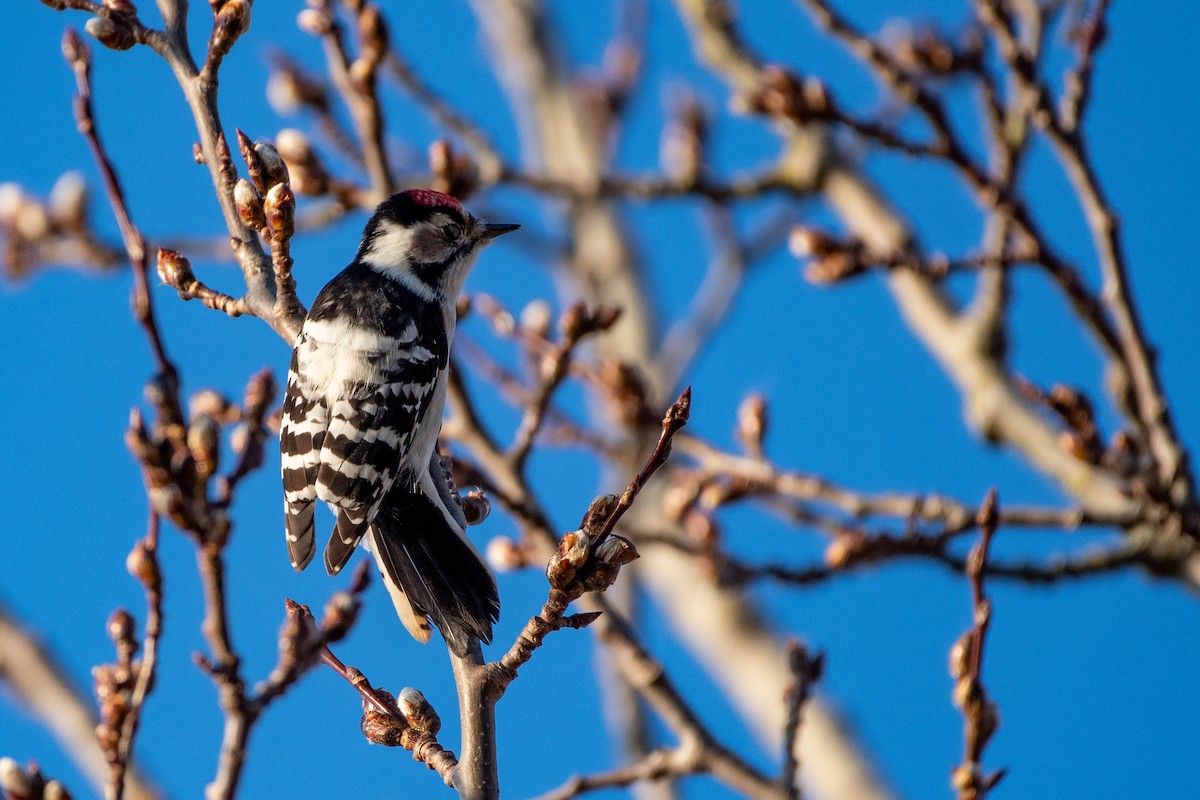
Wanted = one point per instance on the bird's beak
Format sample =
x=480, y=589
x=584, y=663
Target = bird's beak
x=493, y=229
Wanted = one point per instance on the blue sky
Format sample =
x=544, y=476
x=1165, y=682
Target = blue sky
x=1094, y=680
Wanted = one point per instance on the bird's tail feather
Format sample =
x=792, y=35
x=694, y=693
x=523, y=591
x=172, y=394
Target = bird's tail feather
x=424, y=552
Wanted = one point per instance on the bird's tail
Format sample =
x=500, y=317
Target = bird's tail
x=431, y=568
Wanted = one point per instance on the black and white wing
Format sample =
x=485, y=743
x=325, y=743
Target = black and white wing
x=356, y=397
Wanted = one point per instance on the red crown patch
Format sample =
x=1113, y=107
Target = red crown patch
x=432, y=199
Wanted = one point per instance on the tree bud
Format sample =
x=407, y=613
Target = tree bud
x=280, y=209
x=505, y=555
x=110, y=33
x=249, y=204
x=68, y=202
x=616, y=550
x=274, y=170
x=203, y=440
x=174, y=269
x=417, y=710
x=572, y=553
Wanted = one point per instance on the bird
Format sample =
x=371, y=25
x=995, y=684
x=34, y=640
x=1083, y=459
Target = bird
x=363, y=410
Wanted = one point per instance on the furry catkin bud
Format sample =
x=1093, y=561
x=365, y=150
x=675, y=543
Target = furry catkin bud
x=616, y=550
x=274, y=170
x=417, y=710
x=230, y=22
x=249, y=204
x=572, y=553
x=279, y=206
x=174, y=269
x=110, y=33
x=380, y=728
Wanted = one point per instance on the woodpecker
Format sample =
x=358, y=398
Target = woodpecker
x=363, y=410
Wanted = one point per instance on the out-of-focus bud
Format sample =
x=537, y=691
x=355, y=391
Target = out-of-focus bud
x=683, y=144
x=315, y=22
x=380, y=728
x=960, y=655
x=965, y=692
x=212, y=403
x=142, y=566
x=536, y=318
x=33, y=221
x=260, y=392
x=966, y=776
x=14, y=780
x=373, y=33
x=55, y=791
x=572, y=553
x=846, y=546
x=752, y=423
x=293, y=146
x=362, y=75
x=417, y=710
x=616, y=550
x=598, y=513
x=120, y=7
x=121, y=628
x=12, y=197
x=505, y=555
x=806, y=242
x=68, y=202
x=174, y=269
x=573, y=322
x=626, y=390
x=280, y=210
x=112, y=32
x=273, y=167
x=454, y=173
x=74, y=50
x=340, y=613
x=678, y=499
x=230, y=22
x=306, y=173
x=249, y=204
x=203, y=440
x=816, y=97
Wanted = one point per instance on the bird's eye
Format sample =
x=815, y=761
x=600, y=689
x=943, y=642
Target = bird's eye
x=451, y=232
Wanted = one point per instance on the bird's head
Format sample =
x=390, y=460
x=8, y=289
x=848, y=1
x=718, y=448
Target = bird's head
x=427, y=241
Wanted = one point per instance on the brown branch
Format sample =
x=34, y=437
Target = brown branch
x=36, y=679
x=674, y=420
x=807, y=671
x=356, y=80
x=143, y=565
x=1148, y=402
x=79, y=59
x=966, y=664
x=384, y=722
